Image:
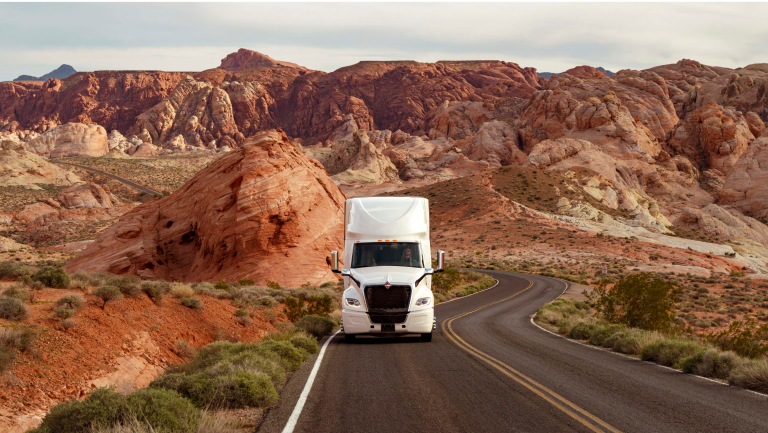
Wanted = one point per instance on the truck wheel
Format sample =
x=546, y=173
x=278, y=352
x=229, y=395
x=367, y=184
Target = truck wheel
x=349, y=338
x=426, y=337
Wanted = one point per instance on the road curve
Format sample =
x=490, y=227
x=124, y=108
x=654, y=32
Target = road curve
x=489, y=369
x=113, y=176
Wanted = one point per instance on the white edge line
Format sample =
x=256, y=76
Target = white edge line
x=291, y=424
x=624, y=355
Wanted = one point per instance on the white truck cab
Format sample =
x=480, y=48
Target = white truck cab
x=387, y=267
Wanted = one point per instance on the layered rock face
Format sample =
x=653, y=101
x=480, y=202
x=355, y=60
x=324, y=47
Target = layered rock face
x=264, y=210
x=71, y=139
x=251, y=92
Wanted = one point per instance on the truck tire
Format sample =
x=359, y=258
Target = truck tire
x=349, y=338
x=426, y=337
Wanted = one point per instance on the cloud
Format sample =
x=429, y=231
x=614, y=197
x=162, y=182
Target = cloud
x=35, y=38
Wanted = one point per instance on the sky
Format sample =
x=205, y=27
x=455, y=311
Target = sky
x=551, y=37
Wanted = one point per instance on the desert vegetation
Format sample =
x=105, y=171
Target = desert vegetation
x=637, y=316
x=455, y=283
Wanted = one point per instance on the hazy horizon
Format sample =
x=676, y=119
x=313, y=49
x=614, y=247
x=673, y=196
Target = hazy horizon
x=551, y=37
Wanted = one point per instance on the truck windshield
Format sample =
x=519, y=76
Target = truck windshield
x=386, y=254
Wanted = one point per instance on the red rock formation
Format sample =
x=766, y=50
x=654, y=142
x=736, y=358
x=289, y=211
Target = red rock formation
x=586, y=73
x=263, y=211
x=247, y=59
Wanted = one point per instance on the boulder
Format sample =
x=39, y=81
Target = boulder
x=88, y=195
x=262, y=211
x=71, y=140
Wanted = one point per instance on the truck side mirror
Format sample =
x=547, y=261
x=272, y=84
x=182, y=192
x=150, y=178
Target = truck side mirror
x=440, y=261
x=335, y=262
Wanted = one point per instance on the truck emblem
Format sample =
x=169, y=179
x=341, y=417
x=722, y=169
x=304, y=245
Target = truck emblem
x=387, y=284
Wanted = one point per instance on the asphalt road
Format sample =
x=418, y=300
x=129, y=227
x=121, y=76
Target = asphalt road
x=489, y=369
x=113, y=176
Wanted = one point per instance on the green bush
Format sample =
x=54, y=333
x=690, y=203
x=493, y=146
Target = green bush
x=746, y=338
x=751, y=375
x=155, y=290
x=290, y=356
x=13, y=270
x=305, y=342
x=107, y=294
x=103, y=408
x=193, y=303
x=446, y=281
x=232, y=390
x=15, y=292
x=64, y=313
x=52, y=277
x=13, y=309
x=632, y=342
x=316, y=325
x=164, y=409
x=316, y=305
x=221, y=285
x=72, y=302
x=605, y=331
x=128, y=285
x=711, y=363
x=246, y=282
x=638, y=301
x=583, y=331
x=671, y=351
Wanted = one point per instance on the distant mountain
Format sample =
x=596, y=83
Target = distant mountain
x=607, y=72
x=61, y=72
x=549, y=75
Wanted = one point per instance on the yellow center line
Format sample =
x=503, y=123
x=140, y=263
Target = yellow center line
x=542, y=391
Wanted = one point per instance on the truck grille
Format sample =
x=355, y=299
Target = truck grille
x=394, y=299
x=388, y=318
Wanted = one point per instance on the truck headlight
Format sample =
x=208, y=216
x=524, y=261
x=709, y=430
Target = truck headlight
x=352, y=302
x=422, y=301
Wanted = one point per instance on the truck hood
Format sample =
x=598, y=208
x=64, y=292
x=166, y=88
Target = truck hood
x=382, y=274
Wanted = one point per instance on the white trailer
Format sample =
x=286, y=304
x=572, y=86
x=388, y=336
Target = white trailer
x=387, y=267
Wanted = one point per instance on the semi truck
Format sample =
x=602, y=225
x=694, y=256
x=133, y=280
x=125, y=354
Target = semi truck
x=387, y=268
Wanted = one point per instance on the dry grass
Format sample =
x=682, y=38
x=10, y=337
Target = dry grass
x=181, y=290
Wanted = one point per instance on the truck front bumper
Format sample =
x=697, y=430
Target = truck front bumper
x=417, y=322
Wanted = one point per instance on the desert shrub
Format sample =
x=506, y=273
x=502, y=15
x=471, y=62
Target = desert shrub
x=13, y=270
x=246, y=282
x=603, y=332
x=184, y=349
x=67, y=323
x=66, y=306
x=583, y=330
x=328, y=285
x=52, y=277
x=711, y=363
x=267, y=301
x=671, y=351
x=164, y=409
x=155, y=290
x=221, y=285
x=103, y=408
x=20, y=339
x=71, y=301
x=180, y=290
x=639, y=301
x=315, y=325
x=317, y=305
x=128, y=285
x=747, y=338
x=13, y=309
x=15, y=292
x=202, y=288
x=193, y=303
x=273, y=285
x=241, y=313
x=107, y=294
x=446, y=281
x=232, y=390
x=752, y=375
x=633, y=341
x=305, y=342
